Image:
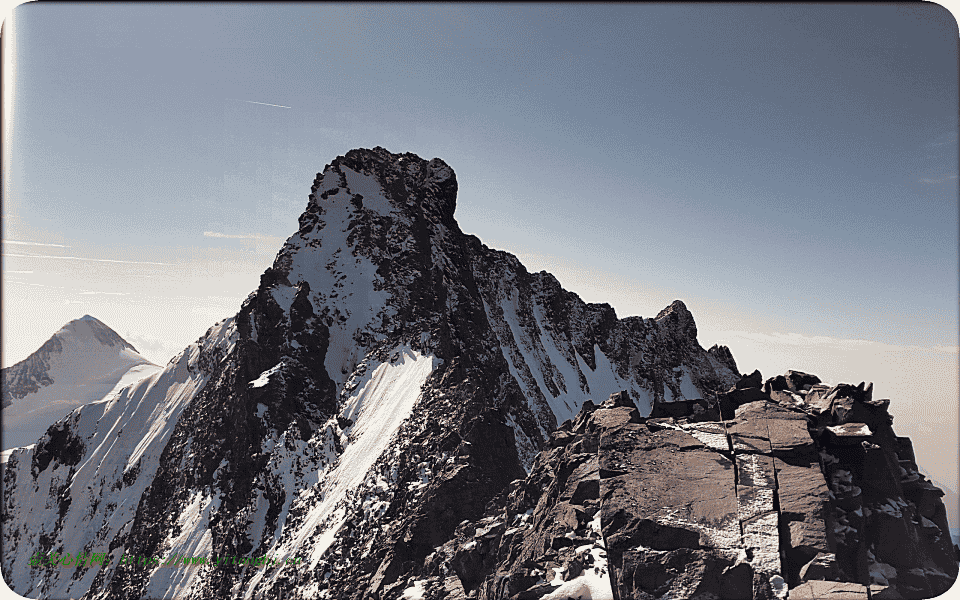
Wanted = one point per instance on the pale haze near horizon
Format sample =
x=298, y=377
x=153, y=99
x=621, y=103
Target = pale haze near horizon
x=789, y=172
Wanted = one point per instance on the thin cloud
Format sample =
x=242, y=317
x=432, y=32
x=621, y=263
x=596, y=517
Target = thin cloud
x=105, y=293
x=252, y=236
x=940, y=180
x=947, y=349
x=106, y=260
x=43, y=285
x=22, y=243
x=807, y=341
x=21, y=272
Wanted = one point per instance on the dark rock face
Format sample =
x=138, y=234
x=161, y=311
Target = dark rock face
x=749, y=507
x=542, y=533
x=414, y=414
x=30, y=374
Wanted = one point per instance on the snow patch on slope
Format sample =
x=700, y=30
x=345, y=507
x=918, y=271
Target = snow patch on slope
x=592, y=584
x=28, y=419
x=545, y=359
x=343, y=283
x=194, y=539
x=264, y=377
x=383, y=399
x=368, y=187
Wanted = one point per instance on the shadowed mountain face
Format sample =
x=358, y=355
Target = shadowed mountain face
x=81, y=363
x=387, y=383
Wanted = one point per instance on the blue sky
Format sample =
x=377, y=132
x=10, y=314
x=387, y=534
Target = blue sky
x=790, y=172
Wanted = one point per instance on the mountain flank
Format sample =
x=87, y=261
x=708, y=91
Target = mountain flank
x=412, y=414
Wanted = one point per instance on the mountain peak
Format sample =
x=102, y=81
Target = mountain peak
x=406, y=181
x=86, y=329
x=374, y=405
x=79, y=364
x=678, y=316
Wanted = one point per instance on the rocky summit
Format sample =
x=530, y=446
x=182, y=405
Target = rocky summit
x=399, y=411
x=755, y=494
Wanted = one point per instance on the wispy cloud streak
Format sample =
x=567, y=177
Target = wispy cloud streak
x=33, y=244
x=939, y=180
x=105, y=293
x=821, y=341
x=106, y=260
x=252, y=236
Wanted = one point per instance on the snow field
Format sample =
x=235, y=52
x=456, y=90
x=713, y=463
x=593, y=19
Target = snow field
x=533, y=360
x=383, y=398
x=125, y=433
x=84, y=371
x=341, y=281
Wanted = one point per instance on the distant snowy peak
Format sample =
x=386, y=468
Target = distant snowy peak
x=76, y=342
x=87, y=330
x=80, y=363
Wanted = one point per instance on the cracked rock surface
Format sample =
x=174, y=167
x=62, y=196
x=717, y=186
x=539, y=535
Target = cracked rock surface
x=757, y=506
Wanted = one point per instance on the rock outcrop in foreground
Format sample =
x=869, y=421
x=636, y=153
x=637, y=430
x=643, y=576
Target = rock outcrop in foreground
x=794, y=490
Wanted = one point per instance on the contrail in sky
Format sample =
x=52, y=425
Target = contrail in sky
x=253, y=236
x=33, y=243
x=126, y=262
x=263, y=103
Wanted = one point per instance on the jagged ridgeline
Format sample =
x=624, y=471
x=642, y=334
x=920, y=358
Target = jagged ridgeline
x=412, y=414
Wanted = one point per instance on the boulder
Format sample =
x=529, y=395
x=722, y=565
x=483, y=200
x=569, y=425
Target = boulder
x=621, y=398
x=736, y=582
x=804, y=509
x=787, y=399
x=828, y=590
x=737, y=397
x=753, y=380
x=775, y=384
x=766, y=428
x=884, y=592
x=452, y=589
x=583, y=483
x=904, y=450
x=666, y=492
x=682, y=573
x=848, y=409
x=694, y=410
x=848, y=434
x=798, y=380
x=823, y=566
x=817, y=402
x=880, y=473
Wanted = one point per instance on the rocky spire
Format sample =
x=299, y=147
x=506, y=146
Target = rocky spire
x=676, y=317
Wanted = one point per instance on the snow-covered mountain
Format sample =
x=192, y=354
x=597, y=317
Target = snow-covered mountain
x=390, y=378
x=81, y=363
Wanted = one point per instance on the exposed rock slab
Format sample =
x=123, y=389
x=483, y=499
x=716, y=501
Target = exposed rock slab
x=829, y=590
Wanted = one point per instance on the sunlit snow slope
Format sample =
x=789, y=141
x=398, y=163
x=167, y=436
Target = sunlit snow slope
x=83, y=362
